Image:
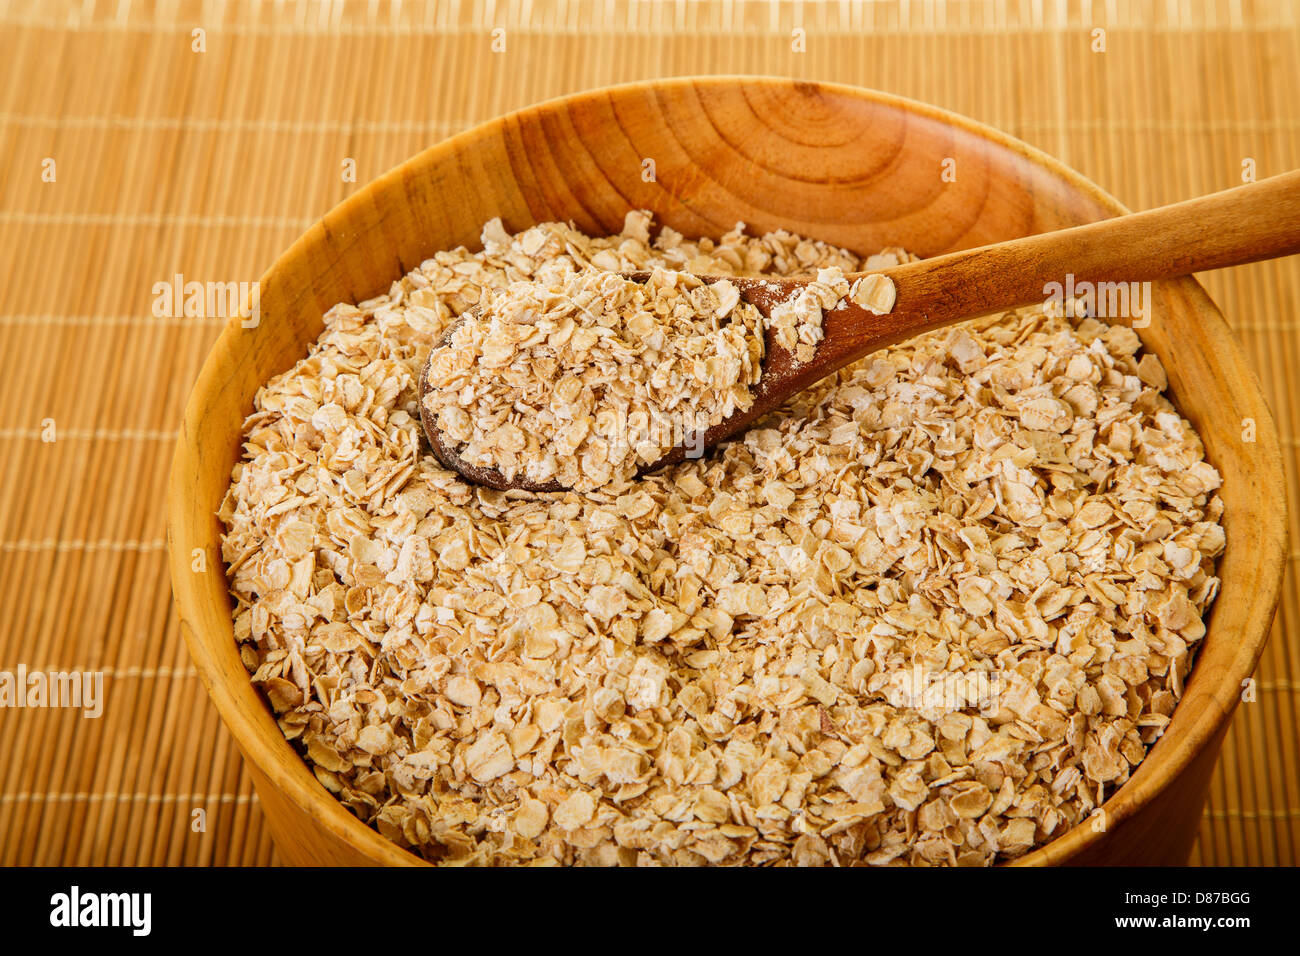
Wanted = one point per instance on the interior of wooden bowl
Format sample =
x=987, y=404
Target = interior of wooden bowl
x=853, y=167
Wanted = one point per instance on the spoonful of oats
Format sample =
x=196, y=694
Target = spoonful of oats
x=581, y=378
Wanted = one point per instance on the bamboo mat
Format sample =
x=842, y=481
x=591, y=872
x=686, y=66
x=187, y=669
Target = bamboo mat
x=208, y=164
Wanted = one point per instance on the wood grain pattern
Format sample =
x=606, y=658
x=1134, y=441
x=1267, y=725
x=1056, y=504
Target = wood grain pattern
x=834, y=162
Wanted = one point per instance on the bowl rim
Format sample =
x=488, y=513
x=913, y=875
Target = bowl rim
x=1159, y=768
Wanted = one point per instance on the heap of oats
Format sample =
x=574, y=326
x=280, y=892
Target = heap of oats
x=935, y=613
x=583, y=377
x=588, y=376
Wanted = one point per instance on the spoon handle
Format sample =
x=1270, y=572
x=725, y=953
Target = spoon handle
x=1244, y=224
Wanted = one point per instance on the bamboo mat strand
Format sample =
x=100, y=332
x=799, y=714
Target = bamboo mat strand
x=209, y=164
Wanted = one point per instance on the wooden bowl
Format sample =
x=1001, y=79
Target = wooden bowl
x=854, y=167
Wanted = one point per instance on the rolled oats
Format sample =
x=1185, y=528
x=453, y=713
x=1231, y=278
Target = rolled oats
x=582, y=377
x=875, y=292
x=932, y=613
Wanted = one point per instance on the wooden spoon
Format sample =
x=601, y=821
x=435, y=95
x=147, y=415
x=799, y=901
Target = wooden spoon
x=1246, y=224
